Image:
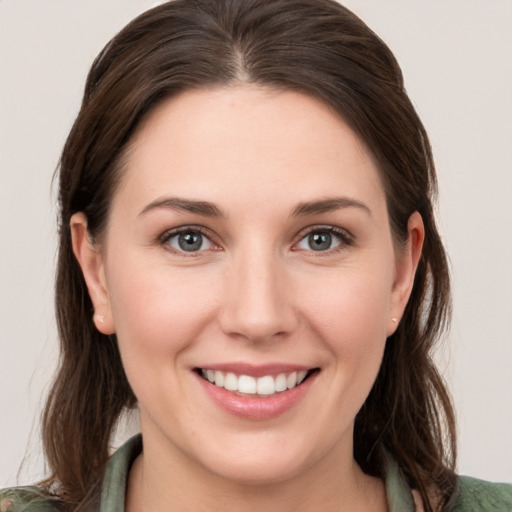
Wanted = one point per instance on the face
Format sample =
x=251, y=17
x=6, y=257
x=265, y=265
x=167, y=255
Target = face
x=249, y=273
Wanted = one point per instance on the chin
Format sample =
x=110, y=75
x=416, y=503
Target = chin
x=260, y=472
x=259, y=462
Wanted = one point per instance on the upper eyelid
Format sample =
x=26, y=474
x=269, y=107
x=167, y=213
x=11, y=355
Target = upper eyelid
x=169, y=233
x=324, y=227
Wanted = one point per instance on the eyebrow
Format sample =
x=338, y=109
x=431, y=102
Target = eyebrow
x=328, y=205
x=211, y=210
x=188, y=205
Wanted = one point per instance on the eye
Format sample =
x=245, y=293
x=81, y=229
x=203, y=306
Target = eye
x=188, y=240
x=323, y=239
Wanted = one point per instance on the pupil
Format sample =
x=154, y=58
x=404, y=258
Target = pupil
x=190, y=241
x=320, y=241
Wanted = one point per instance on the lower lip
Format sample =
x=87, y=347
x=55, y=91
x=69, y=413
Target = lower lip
x=257, y=408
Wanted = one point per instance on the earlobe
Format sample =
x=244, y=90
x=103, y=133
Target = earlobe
x=406, y=265
x=90, y=259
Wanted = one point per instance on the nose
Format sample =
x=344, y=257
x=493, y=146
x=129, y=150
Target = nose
x=258, y=299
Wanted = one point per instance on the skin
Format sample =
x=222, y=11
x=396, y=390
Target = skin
x=256, y=292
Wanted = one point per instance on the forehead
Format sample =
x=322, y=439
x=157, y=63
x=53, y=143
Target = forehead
x=247, y=141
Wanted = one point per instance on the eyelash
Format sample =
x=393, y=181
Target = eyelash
x=346, y=239
x=168, y=235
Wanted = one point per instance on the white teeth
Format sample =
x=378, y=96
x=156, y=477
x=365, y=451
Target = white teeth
x=291, y=381
x=219, y=379
x=247, y=384
x=281, y=382
x=230, y=382
x=301, y=376
x=264, y=386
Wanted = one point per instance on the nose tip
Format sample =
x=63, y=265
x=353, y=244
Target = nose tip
x=258, y=304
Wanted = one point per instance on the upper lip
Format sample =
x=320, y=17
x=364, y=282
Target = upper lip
x=256, y=370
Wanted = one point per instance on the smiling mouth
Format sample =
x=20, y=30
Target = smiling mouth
x=264, y=386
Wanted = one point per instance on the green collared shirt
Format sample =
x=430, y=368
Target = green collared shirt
x=473, y=495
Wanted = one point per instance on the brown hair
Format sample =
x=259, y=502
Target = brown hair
x=316, y=47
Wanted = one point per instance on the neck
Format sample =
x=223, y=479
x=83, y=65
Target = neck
x=159, y=483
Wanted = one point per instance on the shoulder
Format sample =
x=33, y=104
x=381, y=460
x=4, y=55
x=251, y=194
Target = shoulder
x=476, y=495
x=27, y=499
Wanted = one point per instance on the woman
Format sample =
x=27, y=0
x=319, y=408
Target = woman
x=248, y=255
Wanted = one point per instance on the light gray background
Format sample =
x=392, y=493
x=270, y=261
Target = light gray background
x=457, y=60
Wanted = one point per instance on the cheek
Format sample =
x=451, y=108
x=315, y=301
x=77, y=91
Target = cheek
x=351, y=319
x=158, y=309
x=352, y=309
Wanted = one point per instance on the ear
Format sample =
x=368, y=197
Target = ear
x=90, y=259
x=406, y=264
